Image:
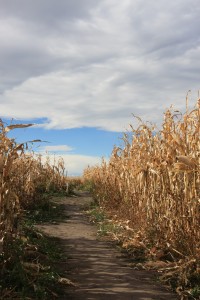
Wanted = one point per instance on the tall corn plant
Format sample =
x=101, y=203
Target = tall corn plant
x=10, y=151
x=23, y=176
x=154, y=181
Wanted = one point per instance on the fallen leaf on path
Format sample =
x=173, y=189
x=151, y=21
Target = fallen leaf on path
x=66, y=281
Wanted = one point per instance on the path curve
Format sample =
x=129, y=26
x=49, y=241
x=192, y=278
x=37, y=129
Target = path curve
x=99, y=270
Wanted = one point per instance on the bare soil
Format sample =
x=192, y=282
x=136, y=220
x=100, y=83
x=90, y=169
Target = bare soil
x=97, y=268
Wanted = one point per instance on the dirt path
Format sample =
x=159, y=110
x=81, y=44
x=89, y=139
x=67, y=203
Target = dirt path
x=97, y=268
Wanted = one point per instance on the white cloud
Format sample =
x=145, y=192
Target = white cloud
x=56, y=148
x=74, y=163
x=95, y=63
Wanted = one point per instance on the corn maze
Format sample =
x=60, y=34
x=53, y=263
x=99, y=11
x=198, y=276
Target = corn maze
x=153, y=183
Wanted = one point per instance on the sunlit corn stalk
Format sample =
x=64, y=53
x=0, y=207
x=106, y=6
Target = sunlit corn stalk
x=22, y=176
x=10, y=151
x=154, y=181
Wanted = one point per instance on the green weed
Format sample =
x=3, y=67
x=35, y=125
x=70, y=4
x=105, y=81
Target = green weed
x=28, y=266
x=46, y=211
x=97, y=215
x=107, y=228
x=195, y=292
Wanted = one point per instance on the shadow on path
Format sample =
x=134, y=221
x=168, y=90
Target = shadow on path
x=98, y=269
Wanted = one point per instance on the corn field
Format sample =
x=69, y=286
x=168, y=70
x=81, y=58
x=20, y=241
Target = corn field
x=23, y=175
x=153, y=183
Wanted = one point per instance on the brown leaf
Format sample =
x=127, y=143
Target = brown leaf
x=66, y=281
x=11, y=127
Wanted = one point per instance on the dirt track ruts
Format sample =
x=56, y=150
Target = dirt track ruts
x=98, y=269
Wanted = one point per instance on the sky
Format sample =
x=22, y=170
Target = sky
x=79, y=69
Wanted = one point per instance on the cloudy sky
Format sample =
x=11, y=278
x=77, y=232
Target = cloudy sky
x=80, y=68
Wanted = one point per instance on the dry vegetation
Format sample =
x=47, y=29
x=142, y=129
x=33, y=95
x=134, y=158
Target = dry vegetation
x=22, y=176
x=24, y=181
x=152, y=186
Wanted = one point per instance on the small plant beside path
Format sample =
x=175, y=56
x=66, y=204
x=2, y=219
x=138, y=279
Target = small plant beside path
x=31, y=271
x=143, y=256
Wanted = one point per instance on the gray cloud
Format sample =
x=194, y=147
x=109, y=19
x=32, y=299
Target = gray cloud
x=49, y=12
x=88, y=63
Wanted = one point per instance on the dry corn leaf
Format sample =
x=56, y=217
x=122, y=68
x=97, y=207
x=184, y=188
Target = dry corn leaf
x=11, y=127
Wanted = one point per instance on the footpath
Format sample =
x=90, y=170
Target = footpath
x=97, y=270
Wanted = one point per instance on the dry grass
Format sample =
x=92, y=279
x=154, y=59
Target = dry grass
x=154, y=184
